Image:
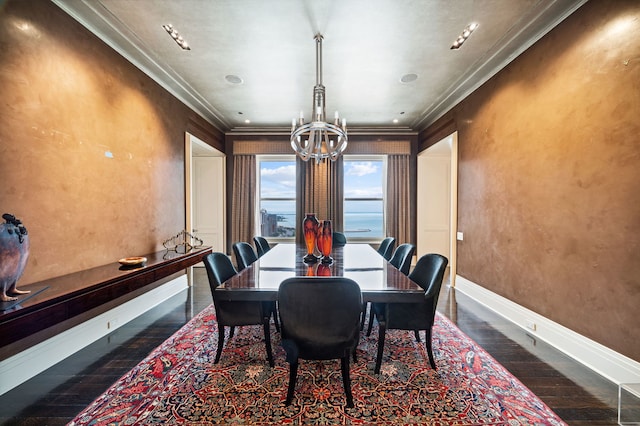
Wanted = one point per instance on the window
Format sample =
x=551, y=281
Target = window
x=364, y=197
x=277, y=196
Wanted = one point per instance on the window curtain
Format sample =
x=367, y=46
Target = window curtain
x=243, y=212
x=398, y=198
x=320, y=191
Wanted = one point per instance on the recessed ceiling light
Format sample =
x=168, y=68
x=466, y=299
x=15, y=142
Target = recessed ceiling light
x=395, y=121
x=408, y=78
x=233, y=79
x=175, y=35
x=247, y=121
x=464, y=36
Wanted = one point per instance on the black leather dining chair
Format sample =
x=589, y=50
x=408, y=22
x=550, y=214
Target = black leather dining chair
x=385, y=250
x=401, y=258
x=338, y=239
x=386, y=247
x=245, y=255
x=320, y=320
x=235, y=313
x=262, y=245
x=428, y=274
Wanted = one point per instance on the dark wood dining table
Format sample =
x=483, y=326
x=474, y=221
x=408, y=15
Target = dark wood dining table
x=379, y=281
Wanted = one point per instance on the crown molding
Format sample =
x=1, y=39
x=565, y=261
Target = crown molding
x=353, y=131
x=544, y=19
x=100, y=22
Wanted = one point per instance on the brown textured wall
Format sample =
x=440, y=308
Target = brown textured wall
x=91, y=149
x=549, y=168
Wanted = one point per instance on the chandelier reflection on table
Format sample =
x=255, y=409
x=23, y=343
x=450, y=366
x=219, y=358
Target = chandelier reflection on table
x=318, y=139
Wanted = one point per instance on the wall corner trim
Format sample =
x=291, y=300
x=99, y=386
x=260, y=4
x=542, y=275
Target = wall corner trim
x=612, y=365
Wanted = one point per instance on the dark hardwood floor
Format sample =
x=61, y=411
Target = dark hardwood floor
x=54, y=397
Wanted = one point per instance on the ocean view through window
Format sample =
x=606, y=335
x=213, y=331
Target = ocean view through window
x=364, y=197
x=277, y=195
x=364, y=179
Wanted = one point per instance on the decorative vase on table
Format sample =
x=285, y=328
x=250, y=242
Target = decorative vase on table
x=310, y=226
x=311, y=272
x=325, y=241
x=14, y=252
x=324, y=270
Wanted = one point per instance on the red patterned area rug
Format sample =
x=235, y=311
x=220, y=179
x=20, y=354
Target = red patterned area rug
x=178, y=383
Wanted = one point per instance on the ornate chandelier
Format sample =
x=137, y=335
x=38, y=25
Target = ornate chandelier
x=318, y=139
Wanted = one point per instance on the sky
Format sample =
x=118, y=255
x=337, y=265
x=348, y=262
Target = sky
x=363, y=179
x=278, y=179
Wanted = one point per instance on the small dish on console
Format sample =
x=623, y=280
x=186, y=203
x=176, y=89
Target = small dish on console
x=132, y=261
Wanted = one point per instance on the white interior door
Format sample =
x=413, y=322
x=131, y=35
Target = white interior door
x=209, y=201
x=434, y=200
x=205, y=193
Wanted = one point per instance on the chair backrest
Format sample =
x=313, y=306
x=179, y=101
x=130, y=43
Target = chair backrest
x=429, y=274
x=229, y=313
x=401, y=258
x=262, y=245
x=386, y=247
x=219, y=269
x=339, y=239
x=245, y=255
x=321, y=315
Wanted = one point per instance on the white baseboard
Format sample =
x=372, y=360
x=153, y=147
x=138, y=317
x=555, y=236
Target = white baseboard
x=19, y=368
x=604, y=361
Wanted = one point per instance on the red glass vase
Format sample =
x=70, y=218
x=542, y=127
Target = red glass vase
x=324, y=270
x=311, y=271
x=310, y=226
x=325, y=241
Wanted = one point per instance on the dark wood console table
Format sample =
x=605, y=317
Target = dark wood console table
x=68, y=296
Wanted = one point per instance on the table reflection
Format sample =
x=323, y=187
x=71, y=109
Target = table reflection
x=378, y=279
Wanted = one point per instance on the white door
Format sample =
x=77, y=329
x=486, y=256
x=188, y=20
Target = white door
x=209, y=201
x=434, y=201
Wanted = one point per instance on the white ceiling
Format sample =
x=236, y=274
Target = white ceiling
x=368, y=46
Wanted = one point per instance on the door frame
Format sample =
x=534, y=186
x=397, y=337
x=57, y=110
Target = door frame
x=452, y=142
x=195, y=147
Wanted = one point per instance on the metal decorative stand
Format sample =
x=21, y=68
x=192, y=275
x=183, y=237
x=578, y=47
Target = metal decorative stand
x=183, y=242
